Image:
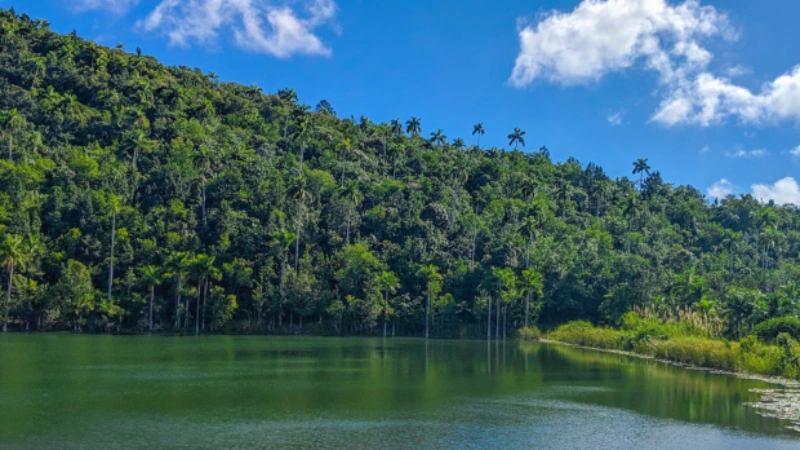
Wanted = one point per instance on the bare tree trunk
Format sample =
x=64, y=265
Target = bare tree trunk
x=152, y=298
x=111, y=262
x=8, y=296
x=205, y=300
x=297, y=245
x=178, y=305
x=203, y=184
x=497, y=322
x=527, y=308
x=427, y=314
x=197, y=309
x=489, y=322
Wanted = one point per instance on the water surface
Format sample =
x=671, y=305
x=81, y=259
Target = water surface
x=65, y=391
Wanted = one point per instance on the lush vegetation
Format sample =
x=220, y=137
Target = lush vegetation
x=138, y=197
x=686, y=342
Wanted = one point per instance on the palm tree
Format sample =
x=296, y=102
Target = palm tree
x=115, y=204
x=387, y=283
x=300, y=134
x=413, y=126
x=283, y=240
x=12, y=254
x=289, y=98
x=477, y=129
x=631, y=211
x=396, y=127
x=641, y=167
x=516, y=137
x=151, y=277
x=202, y=268
x=458, y=143
x=354, y=196
x=345, y=149
x=438, y=138
x=178, y=265
x=301, y=195
x=202, y=160
x=433, y=284
x=531, y=285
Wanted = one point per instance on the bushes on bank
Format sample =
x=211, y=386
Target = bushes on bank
x=769, y=330
x=530, y=333
x=663, y=342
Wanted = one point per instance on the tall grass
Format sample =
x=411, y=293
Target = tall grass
x=687, y=343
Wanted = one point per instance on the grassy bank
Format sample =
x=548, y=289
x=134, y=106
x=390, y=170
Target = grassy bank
x=684, y=344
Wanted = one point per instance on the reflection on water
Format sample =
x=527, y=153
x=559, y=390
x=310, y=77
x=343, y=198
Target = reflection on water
x=212, y=392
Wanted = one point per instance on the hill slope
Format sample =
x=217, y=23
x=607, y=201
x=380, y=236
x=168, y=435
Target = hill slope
x=230, y=209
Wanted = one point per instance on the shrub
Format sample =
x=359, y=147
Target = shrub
x=769, y=330
x=530, y=334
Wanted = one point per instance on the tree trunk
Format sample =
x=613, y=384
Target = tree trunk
x=505, y=318
x=178, y=305
x=205, y=300
x=152, y=298
x=497, y=322
x=111, y=262
x=527, y=308
x=385, y=304
x=489, y=322
x=203, y=184
x=8, y=296
x=302, y=150
x=630, y=228
x=297, y=244
x=427, y=315
x=197, y=309
x=349, y=212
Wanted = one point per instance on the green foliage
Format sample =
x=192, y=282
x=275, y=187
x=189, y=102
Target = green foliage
x=529, y=333
x=769, y=330
x=220, y=192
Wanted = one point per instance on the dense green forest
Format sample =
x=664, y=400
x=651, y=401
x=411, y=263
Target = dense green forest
x=136, y=197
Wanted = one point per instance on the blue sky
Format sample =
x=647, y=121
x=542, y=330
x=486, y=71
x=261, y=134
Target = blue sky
x=707, y=91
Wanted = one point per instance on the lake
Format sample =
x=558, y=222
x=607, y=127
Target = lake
x=70, y=391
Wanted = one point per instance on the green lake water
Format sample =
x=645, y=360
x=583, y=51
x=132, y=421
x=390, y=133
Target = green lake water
x=66, y=391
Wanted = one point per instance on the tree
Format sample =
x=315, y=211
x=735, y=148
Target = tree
x=413, y=126
x=531, y=285
x=354, y=196
x=438, y=138
x=387, y=283
x=115, y=204
x=151, y=277
x=178, y=265
x=516, y=137
x=477, y=129
x=75, y=288
x=641, y=167
x=202, y=271
x=433, y=285
x=12, y=255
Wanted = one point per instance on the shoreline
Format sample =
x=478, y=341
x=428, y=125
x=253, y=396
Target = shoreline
x=781, y=403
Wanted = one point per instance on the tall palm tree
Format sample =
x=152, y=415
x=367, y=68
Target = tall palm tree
x=477, y=129
x=202, y=160
x=354, y=196
x=458, y=143
x=387, y=283
x=283, y=240
x=151, y=277
x=300, y=134
x=115, y=205
x=438, y=138
x=531, y=285
x=12, y=255
x=178, y=265
x=396, y=127
x=301, y=195
x=631, y=212
x=202, y=268
x=433, y=283
x=413, y=126
x=641, y=168
x=516, y=137
x=345, y=149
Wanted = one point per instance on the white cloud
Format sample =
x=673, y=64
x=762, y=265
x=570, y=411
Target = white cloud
x=604, y=36
x=781, y=192
x=257, y=25
x=599, y=37
x=705, y=150
x=720, y=189
x=747, y=153
x=795, y=151
x=617, y=118
x=114, y=6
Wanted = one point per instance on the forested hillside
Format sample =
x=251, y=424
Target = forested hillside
x=135, y=196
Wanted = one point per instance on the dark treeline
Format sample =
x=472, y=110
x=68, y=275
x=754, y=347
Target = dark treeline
x=137, y=197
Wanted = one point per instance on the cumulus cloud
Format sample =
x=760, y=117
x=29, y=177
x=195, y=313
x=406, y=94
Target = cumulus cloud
x=795, y=151
x=604, y=36
x=747, y=153
x=260, y=26
x=114, y=6
x=720, y=189
x=782, y=192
